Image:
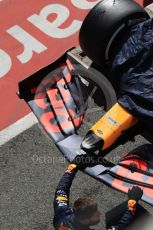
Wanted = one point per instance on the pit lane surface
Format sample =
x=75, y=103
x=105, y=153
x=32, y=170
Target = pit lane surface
x=30, y=168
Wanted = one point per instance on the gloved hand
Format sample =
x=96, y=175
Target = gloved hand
x=134, y=196
x=71, y=167
x=83, y=160
x=135, y=193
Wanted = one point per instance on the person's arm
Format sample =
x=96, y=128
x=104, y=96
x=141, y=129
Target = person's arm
x=61, y=199
x=126, y=219
x=134, y=196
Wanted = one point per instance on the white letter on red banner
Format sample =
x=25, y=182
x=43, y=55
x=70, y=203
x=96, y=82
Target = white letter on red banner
x=30, y=44
x=84, y=4
x=51, y=28
x=5, y=63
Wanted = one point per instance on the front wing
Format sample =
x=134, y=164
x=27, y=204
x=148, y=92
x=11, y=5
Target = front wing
x=53, y=96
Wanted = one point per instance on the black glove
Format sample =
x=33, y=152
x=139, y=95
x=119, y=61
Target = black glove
x=135, y=193
x=83, y=161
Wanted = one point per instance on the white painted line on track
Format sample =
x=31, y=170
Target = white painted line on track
x=18, y=127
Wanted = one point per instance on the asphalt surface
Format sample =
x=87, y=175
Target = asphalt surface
x=30, y=168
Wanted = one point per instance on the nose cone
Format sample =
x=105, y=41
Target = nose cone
x=92, y=142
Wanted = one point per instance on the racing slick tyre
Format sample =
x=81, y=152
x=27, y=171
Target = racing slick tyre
x=105, y=24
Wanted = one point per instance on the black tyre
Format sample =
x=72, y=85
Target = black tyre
x=95, y=77
x=104, y=25
x=98, y=94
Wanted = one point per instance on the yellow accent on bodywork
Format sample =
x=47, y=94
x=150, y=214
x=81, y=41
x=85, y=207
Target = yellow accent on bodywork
x=112, y=124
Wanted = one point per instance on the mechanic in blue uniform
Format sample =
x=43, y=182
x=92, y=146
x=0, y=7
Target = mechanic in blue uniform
x=85, y=212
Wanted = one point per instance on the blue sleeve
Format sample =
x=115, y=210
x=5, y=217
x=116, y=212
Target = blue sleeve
x=61, y=199
x=126, y=219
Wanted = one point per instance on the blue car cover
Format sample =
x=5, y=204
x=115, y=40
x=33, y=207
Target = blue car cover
x=132, y=63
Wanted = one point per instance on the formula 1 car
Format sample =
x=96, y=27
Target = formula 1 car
x=76, y=99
